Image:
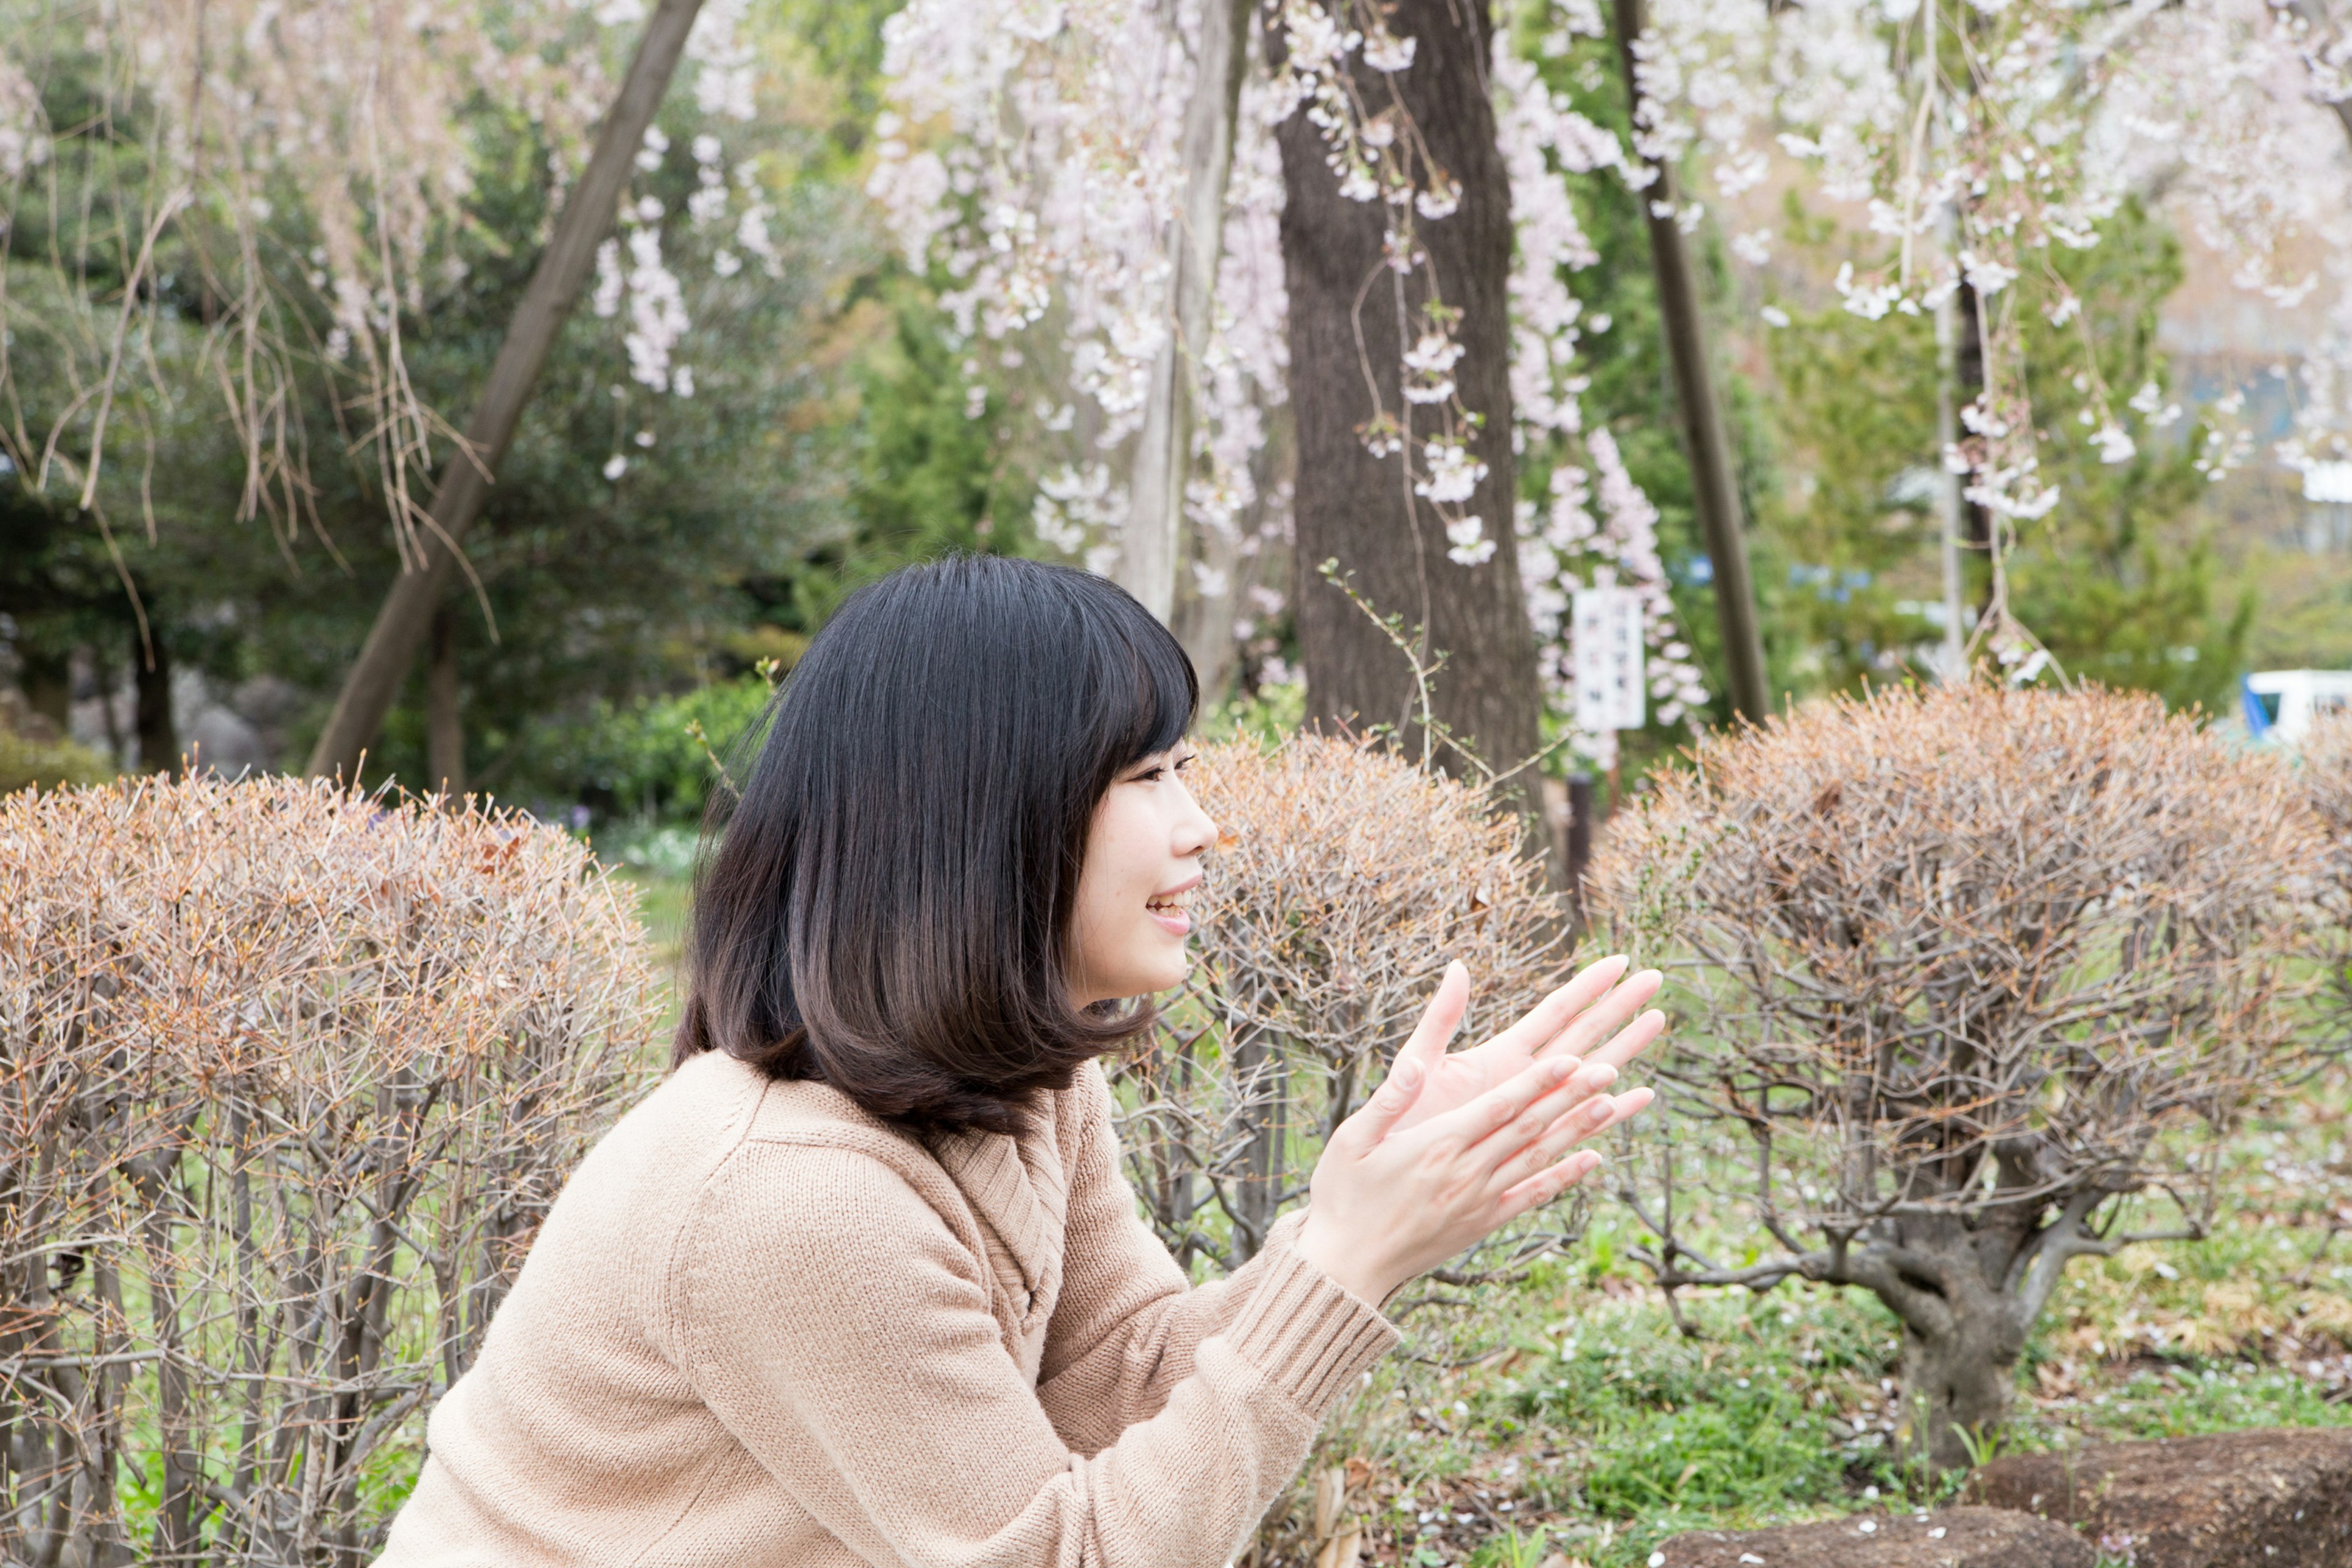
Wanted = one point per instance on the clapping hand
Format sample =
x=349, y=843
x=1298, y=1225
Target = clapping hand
x=1451, y=1147
x=1589, y=1021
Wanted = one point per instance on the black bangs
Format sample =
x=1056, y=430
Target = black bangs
x=1150, y=706
x=887, y=907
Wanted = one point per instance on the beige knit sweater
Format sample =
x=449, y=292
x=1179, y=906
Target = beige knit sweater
x=762, y=1327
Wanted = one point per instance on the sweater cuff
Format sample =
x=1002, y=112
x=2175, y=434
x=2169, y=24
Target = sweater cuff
x=1304, y=1331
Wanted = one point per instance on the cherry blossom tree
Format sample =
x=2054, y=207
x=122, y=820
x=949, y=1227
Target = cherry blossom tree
x=1030, y=152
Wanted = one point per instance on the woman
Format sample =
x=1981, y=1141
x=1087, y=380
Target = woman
x=860, y=1282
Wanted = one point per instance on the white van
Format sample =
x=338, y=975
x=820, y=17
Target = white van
x=2280, y=704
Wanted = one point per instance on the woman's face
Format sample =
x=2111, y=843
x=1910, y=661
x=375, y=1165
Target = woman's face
x=1143, y=862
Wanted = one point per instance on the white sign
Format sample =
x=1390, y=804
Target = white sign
x=1609, y=690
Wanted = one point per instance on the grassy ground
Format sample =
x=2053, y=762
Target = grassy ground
x=1567, y=1420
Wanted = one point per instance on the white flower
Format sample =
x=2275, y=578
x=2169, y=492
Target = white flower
x=1440, y=200
x=616, y=466
x=1471, y=547
x=1385, y=52
x=2114, y=444
x=1454, y=473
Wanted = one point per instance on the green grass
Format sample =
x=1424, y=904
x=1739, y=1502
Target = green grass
x=1571, y=1410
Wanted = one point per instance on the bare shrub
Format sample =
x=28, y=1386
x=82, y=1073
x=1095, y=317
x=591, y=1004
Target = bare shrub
x=1343, y=881
x=1964, y=970
x=288, y=1078
x=2323, y=767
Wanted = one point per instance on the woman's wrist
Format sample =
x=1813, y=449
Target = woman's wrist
x=1351, y=1267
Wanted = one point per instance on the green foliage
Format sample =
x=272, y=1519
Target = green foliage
x=2117, y=580
x=580, y=587
x=26, y=764
x=1855, y=526
x=653, y=759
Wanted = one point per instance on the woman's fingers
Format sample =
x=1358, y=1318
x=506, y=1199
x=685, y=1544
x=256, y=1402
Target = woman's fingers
x=1546, y=1018
x=1440, y=1019
x=1547, y=1185
x=1610, y=1014
x=1580, y=1085
x=1595, y=1115
x=1469, y=1124
x=1631, y=1040
x=1389, y=1101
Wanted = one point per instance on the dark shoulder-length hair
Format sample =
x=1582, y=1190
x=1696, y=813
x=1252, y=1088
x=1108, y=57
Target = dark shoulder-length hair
x=888, y=906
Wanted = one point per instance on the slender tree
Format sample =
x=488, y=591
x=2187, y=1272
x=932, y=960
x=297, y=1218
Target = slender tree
x=1715, y=487
x=400, y=629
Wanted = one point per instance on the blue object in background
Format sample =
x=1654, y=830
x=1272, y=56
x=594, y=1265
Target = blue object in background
x=2258, y=718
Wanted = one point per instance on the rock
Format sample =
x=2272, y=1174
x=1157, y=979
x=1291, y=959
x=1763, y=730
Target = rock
x=2279, y=1499
x=1948, y=1538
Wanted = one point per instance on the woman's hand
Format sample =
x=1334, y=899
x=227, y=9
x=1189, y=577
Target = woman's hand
x=1391, y=1201
x=1573, y=1023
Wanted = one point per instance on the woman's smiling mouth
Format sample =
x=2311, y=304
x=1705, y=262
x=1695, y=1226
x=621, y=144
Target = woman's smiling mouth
x=1169, y=908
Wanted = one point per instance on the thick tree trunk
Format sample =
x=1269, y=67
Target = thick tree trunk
x=1152, y=546
x=1715, y=490
x=159, y=741
x=1957, y=1386
x=1962, y=1333
x=445, y=725
x=375, y=678
x=1347, y=310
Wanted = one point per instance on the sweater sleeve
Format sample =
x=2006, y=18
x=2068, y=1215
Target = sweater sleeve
x=831, y=1319
x=1128, y=1323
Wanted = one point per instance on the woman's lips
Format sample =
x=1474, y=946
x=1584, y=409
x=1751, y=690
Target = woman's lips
x=1173, y=918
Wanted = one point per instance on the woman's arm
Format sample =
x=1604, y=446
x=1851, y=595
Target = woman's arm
x=1127, y=1325
x=831, y=1320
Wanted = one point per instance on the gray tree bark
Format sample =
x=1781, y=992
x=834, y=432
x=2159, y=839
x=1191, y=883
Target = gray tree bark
x=1348, y=313
x=444, y=724
x=376, y=675
x=1153, y=544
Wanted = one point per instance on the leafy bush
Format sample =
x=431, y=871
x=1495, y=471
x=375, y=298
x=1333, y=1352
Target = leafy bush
x=32, y=754
x=1343, y=881
x=287, y=1078
x=2325, y=770
x=1967, y=969
x=650, y=760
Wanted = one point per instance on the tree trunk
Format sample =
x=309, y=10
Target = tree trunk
x=1957, y=1386
x=48, y=681
x=1962, y=1333
x=445, y=726
x=159, y=743
x=1715, y=492
x=375, y=678
x=1163, y=452
x=1347, y=309
x=2315, y=16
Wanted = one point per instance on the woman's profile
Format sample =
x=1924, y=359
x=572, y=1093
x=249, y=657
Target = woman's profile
x=861, y=1282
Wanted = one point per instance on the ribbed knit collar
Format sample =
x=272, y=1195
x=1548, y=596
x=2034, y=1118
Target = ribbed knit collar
x=1019, y=1189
